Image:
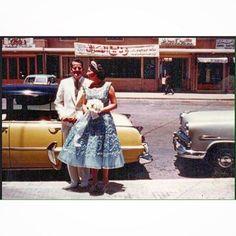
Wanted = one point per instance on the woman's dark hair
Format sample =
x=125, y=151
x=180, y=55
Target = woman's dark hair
x=97, y=69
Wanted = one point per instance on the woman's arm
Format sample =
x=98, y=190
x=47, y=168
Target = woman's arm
x=113, y=101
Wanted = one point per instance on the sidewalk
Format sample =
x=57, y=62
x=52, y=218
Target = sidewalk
x=210, y=188
x=177, y=96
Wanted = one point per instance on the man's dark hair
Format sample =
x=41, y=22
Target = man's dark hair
x=78, y=60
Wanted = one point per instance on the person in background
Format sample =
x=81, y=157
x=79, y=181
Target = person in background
x=93, y=141
x=163, y=83
x=169, y=85
x=68, y=104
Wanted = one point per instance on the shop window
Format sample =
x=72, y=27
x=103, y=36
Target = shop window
x=232, y=68
x=4, y=68
x=149, y=68
x=210, y=73
x=23, y=68
x=122, y=67
x=32, y=65
x=40, y=64
x=53, y=65
x=66, y=66
x=13, y=68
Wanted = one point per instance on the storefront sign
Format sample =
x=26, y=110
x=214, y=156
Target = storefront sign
x=18, y=43
x=177, y=42
x=225, y=43
x=86, y=49
x=212, y=59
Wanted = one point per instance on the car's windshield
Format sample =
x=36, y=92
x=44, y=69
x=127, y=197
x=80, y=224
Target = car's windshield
x=18, y=109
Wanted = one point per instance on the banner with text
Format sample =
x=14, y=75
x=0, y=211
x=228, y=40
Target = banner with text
x=99, y=50
x=177, y=42
x=18, y=43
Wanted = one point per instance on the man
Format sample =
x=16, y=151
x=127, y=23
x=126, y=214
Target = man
x=169, y=85
x=68, y=105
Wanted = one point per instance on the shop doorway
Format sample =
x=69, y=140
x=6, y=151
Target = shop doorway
x=178, y=69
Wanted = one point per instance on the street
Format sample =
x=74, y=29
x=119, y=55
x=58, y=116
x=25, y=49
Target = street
x=159, y=119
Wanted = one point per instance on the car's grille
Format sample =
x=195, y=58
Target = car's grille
x=183, y=139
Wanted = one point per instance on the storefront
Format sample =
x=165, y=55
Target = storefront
x=175, y=60
x=131, y=64
x=128, y=67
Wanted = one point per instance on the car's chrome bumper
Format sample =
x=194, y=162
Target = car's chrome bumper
x=184, y=152
x=145, y=157
x=53, y=151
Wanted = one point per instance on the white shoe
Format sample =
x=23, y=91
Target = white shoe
x=71, y=185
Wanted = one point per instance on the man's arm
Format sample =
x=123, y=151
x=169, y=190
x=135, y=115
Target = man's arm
x=59, y=102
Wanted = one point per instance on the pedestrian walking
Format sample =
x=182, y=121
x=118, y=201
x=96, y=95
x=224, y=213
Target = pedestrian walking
x=169, y=85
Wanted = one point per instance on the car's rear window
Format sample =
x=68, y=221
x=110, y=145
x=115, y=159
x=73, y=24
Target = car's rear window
x=41, y=80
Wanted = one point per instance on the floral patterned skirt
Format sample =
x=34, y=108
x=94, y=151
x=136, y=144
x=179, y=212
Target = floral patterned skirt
x=97, y=147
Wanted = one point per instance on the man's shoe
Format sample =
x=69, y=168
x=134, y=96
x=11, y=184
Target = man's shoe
x=84, y=184
x=71, y=185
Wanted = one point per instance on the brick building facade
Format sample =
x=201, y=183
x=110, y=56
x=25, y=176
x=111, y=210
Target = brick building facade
x=195, y=64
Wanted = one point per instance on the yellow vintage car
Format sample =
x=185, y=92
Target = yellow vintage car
x=31, y=131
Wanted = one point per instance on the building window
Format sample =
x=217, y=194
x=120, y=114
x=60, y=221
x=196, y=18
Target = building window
x=4, y=68
x=66, y=66
x=32, y=65
x=40, y=64
x=149, y=68
x=23, y=72
x=210, y=75
x=232, y=67
x=115, y=39
x=13, y=68
x=53, y=65
x=122, y=67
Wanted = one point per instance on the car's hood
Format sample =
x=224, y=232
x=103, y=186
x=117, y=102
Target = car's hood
x=204, y=116
x=121, y=120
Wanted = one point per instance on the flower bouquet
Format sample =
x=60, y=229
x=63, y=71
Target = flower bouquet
x=94, y=106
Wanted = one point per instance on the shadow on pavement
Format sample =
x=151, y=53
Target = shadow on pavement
x=193, y=168
x=128, y=172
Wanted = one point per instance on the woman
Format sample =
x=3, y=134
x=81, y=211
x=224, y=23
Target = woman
x=93, y=142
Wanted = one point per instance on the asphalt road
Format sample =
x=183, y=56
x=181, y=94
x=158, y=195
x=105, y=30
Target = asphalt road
x=159, y=118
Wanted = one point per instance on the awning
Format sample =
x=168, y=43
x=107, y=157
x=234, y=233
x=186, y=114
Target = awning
x=212, y=59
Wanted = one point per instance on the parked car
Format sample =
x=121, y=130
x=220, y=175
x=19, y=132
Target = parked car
x=31, y=133
x=207, y=135
x=40, y=79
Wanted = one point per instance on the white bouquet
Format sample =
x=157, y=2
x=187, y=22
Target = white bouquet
x=94, y=106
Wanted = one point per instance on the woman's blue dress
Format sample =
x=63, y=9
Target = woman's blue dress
x=98, y=145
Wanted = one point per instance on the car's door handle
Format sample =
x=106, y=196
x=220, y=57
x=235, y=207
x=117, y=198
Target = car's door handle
x=4, y=129
x=54, y=130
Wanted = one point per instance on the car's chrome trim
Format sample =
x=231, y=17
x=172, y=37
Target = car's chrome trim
x=186, y=153
x=144, y=158
x=25, y=148
x=212, y=137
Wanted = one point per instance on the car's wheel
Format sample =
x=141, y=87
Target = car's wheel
x=222, y=161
